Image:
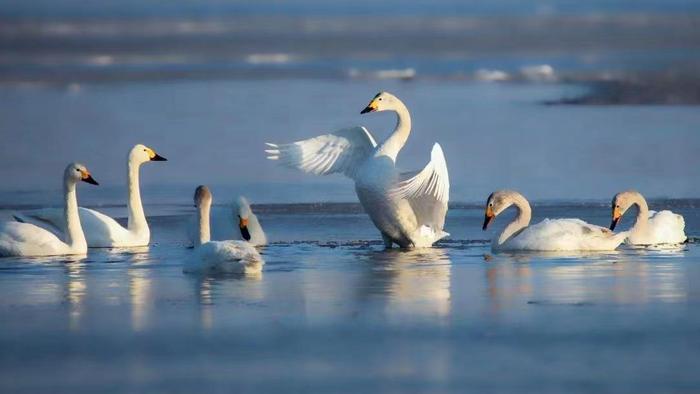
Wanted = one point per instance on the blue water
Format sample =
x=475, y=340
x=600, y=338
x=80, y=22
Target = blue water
x=333, y=312
x=213, y=132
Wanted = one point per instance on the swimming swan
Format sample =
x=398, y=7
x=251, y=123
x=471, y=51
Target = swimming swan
x=219, y=256
x=101, y=230
x=549, y=235
x=25, y=239
x=408, y=208
x=234, y=221
x=650, y=228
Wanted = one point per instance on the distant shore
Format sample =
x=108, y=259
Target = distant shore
x=660, y=88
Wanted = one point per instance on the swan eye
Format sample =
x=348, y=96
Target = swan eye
x=380, y=99
x=77, y=169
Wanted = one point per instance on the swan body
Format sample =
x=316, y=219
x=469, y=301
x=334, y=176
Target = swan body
x=408, y=208
x=232, y=222
x=102, y=231
x=30, y=240
x=550, y=235
x=219, y=256
x=650, y=227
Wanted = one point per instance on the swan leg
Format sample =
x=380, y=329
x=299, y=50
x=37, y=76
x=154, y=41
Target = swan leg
x=387, y=241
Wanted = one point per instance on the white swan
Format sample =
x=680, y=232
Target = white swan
x=101, y=230
x=25, y=239
x=219, y=256
x=408, y=208
x=650, y=228
x=549, y=235
x=235, y=221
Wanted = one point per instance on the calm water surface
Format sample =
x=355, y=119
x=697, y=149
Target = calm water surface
x=333, y=312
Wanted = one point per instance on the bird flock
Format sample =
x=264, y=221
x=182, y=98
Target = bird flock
x=408, y=208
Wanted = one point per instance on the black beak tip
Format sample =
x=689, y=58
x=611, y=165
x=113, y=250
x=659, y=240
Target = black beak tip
x=245, y=233
x=91, y=180
x=158, y=157
x=366, y=110
x=487, y=220
x=613, y=224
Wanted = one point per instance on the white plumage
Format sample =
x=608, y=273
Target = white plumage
x=650, y=227
x=550, y=235
x=102, y=231
x=219, y=256
x=30, y=240
x=563, y=235
x=231, y=222
x=408, y=208
x=236, y=257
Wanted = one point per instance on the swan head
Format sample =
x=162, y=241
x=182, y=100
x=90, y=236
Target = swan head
x=76, y=172
x=496, y=203
x=143, y=154
x=621, y=203
x=243, y=216
x=202, y=196
x=383, y=101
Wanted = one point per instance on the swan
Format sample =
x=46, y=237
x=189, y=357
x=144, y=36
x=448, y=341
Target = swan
x=29, y=240
x=549, y=235
x=219, y=256
x=101, y=230
x=234, y=221
x=408, y=208
x=650, y=228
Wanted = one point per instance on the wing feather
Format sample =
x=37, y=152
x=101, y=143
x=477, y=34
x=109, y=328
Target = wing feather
x=428, y=190
x=342, y=151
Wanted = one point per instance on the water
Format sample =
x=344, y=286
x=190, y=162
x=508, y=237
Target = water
x=333, y=312
x=213, y=132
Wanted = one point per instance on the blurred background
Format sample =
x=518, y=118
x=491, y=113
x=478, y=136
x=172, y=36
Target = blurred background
x=561, y=100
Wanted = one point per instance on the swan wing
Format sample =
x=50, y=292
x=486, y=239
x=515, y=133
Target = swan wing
x=342, y=151
x=428, y=191
x=566, y=235
x=100, y=230
x=225, y=256
x=50, y=219
x=25, y=239
x=667, y=227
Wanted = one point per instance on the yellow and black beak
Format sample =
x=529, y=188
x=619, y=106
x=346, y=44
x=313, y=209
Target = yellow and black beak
x=488, y=218
x=156, y=157
x=371, y=107
x=243, y=225
x=616, y=215
x=87, y=178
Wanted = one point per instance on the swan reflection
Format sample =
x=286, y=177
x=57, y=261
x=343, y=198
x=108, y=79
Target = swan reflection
x=76, y=289
x=412, y=282
x=627, y=276
x=210, y=288
x=140, y=286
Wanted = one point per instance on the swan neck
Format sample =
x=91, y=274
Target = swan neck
x=392, y=146
x=203, y=223
x=521, y=221
x=643, y=213
x=75, y=237
x=137, y=218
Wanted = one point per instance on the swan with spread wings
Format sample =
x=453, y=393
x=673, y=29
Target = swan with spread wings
x=408, y=208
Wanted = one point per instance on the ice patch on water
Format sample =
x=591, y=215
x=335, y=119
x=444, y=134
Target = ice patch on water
x=269, y=58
